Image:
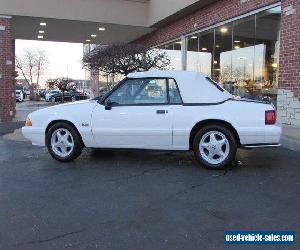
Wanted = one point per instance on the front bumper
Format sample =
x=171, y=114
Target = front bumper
x=35, y=135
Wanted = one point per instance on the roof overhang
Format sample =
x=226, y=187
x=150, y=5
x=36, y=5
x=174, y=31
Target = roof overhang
x=182, y=12
x=61, y=30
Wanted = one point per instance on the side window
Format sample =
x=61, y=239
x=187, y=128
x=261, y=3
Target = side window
x=141, y=91
x=153, y=91
x=174, y=94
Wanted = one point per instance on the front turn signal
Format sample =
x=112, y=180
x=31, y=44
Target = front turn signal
x=28, y=123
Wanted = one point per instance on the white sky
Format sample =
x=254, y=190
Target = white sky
x=64, y=58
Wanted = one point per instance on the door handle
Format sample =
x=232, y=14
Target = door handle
x=160, y=111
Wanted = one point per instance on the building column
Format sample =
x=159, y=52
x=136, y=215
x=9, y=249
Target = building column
x=94, y=83
x=288, y=98
x=7, y=70
x=183, y=53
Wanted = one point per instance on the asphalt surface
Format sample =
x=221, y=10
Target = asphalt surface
x=134, y=199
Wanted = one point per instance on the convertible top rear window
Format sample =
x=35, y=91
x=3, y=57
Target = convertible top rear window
x=215, y=84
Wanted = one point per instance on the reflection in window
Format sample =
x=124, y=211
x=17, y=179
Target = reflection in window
x=223, y=54
x=267, y=52
x=173, y=51
x=242, y=55
x=200, y=51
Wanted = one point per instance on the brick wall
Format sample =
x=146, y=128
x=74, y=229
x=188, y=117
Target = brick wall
x=289, y=61
x=203, y=18
x=7, y=67
x=288, y=98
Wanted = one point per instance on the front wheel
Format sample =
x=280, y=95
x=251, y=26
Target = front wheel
x=214, y=147
x=63, y=142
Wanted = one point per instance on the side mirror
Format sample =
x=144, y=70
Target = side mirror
x=108, y=104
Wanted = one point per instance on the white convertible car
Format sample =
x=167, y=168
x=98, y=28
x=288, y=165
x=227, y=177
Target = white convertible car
x=164, y=110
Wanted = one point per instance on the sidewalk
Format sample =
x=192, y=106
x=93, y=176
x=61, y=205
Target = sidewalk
x=22, y=111
x=291, y=137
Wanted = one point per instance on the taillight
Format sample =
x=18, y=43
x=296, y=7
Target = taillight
x=270, y=117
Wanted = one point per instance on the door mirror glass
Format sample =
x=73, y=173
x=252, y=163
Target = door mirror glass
x=108, y=104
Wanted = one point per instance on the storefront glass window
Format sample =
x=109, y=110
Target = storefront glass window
x=200, y=52
x=267, y=52
x=223, y=54
x=173, y=50
x=241, y=55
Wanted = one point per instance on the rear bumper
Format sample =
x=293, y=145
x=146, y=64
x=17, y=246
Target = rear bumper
x=35, y=135
x=272, y=134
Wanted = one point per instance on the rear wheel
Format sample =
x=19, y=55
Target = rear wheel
x=214, y=147
x=63, y=142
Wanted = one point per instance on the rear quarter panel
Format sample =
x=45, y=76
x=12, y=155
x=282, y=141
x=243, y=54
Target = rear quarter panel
x=248, y=118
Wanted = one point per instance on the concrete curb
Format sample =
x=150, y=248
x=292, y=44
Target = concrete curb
x=15, y=136
x=10, y=127
x=290, y=138
x=290, y=143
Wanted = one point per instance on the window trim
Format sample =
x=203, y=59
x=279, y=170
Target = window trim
x=102, y=101
x=211, y=81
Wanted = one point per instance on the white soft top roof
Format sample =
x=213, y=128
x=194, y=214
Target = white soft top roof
x=193, y=86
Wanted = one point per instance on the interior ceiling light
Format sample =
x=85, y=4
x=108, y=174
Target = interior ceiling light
x=194, y=37
x=101, y=29
x=204, y=49
x=93, y=35
x=236, y=47
x=43, y=24
x=41, y=31
x=224, y=30
x=178, y=42
x=237, y=41
x=40, y=37
x=88, y=40
x=217, y=46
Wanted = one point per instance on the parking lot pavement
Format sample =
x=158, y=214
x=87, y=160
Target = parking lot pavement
x=133, y=199
x=26, y=107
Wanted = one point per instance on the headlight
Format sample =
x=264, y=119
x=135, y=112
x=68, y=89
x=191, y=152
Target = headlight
x=28, y=123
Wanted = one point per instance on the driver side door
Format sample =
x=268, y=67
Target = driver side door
x=139, y=116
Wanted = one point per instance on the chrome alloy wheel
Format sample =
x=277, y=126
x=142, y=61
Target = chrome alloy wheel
x=62, y=142
x=214, y=147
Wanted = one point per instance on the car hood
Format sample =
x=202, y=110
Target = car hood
x=66, y=111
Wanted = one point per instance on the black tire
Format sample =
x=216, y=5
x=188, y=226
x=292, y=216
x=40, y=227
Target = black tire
x=232, y=146
x=78, y=144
